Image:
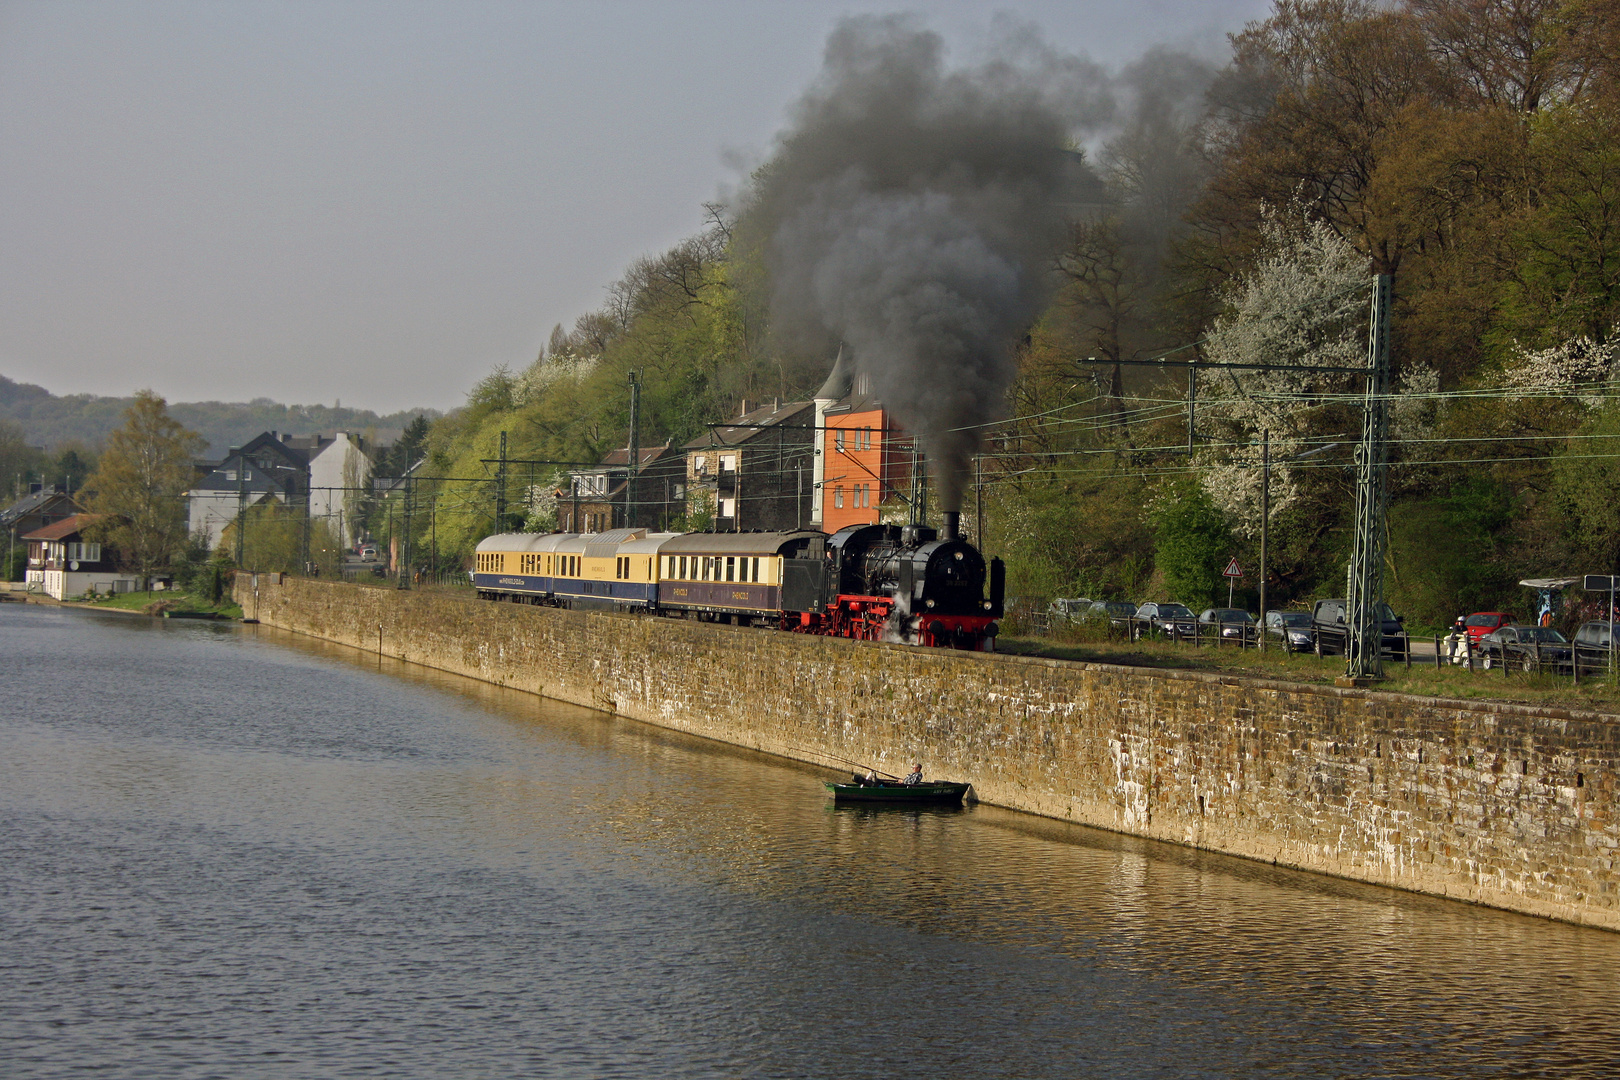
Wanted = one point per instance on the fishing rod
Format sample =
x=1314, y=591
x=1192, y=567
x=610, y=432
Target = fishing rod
x=845, y=761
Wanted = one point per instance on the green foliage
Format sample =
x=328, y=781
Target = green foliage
x=1566, y=277
x=1585, y=480
x=1191, y=544
x=274, y=539
x=138, y=489
x=1447, y=553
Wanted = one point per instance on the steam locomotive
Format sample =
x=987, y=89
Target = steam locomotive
x=909, y=584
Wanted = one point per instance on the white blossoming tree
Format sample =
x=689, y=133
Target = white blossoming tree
x=1303, y=307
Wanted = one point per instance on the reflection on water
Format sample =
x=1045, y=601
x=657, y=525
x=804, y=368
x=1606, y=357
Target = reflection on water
x=237, y=852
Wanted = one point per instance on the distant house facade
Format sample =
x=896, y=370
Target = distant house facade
x=44, y=505
x=340, y=473
x=62, y=563
x=326, y=474
x=605, y=496
x=754, y=472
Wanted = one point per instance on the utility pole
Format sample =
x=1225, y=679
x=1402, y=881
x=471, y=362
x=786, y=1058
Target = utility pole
x=978, y=487
x=1192, y=402
x=1265, y=527
x=500, y=488
x=241, y=502
x=1364, y=607
x=405, y=548
x=635, y=452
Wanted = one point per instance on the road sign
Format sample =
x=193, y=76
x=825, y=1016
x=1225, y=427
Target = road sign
x=1233, y=570
x=1598, y=583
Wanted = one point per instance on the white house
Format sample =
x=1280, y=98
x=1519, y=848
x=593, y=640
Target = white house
x=339, y=470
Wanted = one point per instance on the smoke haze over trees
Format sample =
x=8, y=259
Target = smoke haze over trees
x=913, y=213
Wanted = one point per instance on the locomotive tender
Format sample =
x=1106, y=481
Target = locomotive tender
x=869, y=582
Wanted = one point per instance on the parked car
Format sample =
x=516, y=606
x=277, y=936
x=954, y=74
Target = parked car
x=1062, y=611
x=1328, y=632
x=1292, y=627
x=1118, y=613
x=1593, y=642
x=1528, y=647
x=1163, y=619
x=1481, y=623
x=1232, y=624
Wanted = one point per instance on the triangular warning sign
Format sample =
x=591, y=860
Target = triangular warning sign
x=1232, y=569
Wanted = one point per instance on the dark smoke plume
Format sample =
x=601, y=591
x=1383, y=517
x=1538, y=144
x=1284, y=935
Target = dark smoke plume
x=912, y=213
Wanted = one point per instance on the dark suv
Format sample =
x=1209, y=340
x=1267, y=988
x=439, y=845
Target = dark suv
x=1118, y=613
x=1165, y=619
x=1328, y=633
x=1531, y=648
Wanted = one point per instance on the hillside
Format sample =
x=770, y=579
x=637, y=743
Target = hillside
x=50, y=421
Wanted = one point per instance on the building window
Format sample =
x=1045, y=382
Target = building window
x=838, y=440
x=838, y=496
x=728, y=462
x=700, y=464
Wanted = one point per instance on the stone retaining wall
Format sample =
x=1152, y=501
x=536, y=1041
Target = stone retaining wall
x=1511, y=806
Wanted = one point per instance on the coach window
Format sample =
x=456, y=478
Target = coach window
x=731, y=568
x=756, y=570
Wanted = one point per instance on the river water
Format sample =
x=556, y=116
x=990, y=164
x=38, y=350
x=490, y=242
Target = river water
x=232, y=852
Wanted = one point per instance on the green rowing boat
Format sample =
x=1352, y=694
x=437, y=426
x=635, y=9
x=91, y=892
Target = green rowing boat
x=892, y=791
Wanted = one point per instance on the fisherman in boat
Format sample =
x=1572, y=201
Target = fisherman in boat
x=915, y=775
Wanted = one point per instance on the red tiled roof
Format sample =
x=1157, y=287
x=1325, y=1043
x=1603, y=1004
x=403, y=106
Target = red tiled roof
x=63, y=529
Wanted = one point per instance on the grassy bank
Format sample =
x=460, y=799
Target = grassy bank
x=1594, y=692
x=155, y=603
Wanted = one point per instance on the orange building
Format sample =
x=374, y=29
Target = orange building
x=864, y=459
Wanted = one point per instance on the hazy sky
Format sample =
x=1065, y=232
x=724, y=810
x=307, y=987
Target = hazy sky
x=379, y=202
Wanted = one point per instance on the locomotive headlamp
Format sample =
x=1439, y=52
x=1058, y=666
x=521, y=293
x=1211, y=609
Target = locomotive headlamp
x=958, y=556
x=987, y=605
x=929, y=604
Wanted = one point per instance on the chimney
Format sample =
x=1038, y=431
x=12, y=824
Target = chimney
x=953, y=525
x=745, y=408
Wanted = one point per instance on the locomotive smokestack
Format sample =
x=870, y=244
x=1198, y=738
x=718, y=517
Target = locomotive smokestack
x=953, y=525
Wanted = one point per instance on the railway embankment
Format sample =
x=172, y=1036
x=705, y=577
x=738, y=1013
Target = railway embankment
x=1511, y=806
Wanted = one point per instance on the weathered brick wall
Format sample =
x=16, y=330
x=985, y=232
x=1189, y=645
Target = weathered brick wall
x=1504, y=805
